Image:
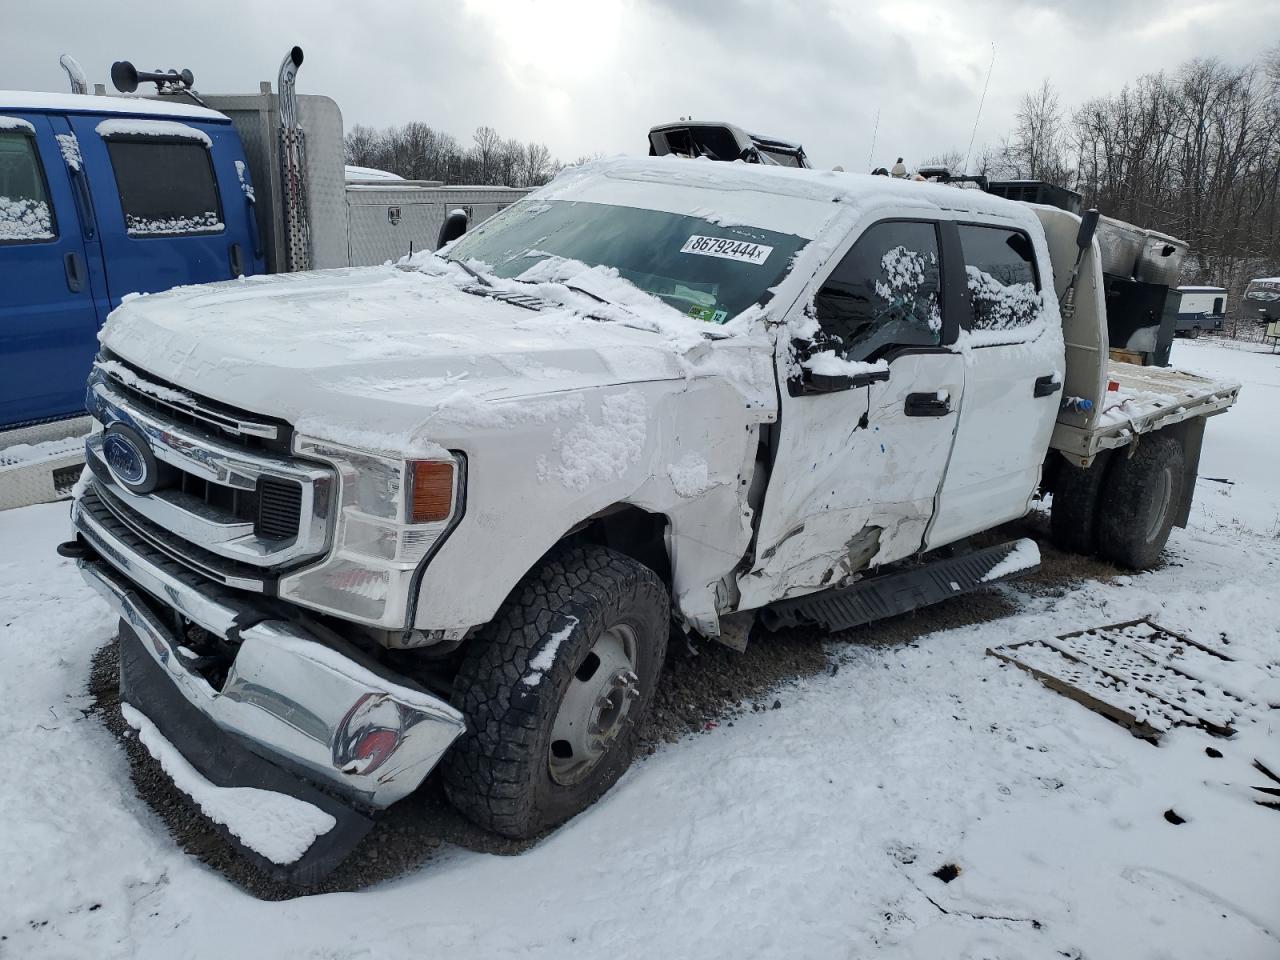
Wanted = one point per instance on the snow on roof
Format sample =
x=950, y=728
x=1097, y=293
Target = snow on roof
x=1265, y=280
x=1202, y=289
x=81, y=103
x=744, y=189
x=151, y=128
x=369, y=173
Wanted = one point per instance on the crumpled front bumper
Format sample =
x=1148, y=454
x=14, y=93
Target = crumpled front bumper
x=313, y=707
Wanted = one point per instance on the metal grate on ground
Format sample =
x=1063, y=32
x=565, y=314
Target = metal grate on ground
x=1138, y=673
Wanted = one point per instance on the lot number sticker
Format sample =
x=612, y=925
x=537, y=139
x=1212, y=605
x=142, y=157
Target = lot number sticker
x=727, y=249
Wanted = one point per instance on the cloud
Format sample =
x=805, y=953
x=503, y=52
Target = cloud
x=589, y=76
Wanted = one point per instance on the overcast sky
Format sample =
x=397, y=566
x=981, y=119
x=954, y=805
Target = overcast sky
x=591, y=76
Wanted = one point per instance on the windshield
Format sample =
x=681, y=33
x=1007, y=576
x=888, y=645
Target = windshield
x=707, y=271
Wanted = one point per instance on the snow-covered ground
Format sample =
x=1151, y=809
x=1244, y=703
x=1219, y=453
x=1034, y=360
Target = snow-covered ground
x=809, y=831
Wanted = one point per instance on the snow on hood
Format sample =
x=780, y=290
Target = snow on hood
x=375, y=353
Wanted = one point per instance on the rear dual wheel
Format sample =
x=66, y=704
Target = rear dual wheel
x=1123, y=506
x=1139, y=502
x=553, y=690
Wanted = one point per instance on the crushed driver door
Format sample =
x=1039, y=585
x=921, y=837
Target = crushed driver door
x=858, y=460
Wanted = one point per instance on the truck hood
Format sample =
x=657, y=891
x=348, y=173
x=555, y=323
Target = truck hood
x=355, y=354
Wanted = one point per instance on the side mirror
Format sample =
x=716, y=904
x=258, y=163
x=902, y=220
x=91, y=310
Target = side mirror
x=454, y=226
x=1088, y=225
x=817, y=382
x=831, y=383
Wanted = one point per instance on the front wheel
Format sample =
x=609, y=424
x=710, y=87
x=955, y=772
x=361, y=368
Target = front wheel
x=553, y=690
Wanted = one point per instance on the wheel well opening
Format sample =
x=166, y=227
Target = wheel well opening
x=637, y=533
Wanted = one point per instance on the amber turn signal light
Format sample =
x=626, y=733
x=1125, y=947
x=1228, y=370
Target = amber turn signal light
x=432, y=494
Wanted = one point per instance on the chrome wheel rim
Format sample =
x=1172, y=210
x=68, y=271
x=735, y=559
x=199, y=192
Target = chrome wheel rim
x=593, y=711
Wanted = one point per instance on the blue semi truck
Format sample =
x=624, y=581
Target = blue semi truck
x=102, y=197
x=105, y=197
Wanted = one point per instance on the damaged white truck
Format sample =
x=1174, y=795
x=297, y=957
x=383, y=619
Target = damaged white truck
x=360, y=522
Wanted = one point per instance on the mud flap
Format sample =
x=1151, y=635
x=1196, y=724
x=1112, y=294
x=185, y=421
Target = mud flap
x=226, y=762
x=890, y=594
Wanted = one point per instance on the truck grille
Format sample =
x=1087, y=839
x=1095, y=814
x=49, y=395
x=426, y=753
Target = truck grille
x=151, y=393
x=164, y=549
x=274, y=507
x=216, y=500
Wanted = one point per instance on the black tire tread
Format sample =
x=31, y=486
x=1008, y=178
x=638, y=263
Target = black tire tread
x=1073, y=517
x=490, y=771
x=1125, y=502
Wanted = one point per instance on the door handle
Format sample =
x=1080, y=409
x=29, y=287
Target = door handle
x=254, y=232
x=84, y=206
x=1047, y=385
x=237, y=261
x=935, y=404
x=74, y=267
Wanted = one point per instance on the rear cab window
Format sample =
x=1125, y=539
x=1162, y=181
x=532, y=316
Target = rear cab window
x=1002, y=281
x=165, y=178
x=885, y=293
x=26, y=215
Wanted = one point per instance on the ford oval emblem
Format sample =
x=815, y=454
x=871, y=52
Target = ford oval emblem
x=129, y=458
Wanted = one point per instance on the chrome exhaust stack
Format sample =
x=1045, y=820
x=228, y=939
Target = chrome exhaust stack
x=75, y=73
x=293, y=167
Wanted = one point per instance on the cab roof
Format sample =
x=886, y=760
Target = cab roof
x=28, y=100
x=852, y=190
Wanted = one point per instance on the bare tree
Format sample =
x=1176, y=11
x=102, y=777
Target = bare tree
x=419, y=152
x=487, y=142
x=360, y=145
x=1035, y=150
x=952, y=159
x=536, y=164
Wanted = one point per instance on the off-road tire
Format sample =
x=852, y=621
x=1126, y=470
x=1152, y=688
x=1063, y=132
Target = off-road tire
x=1073, y=516
x=1139, y=501
x=497, y=773
x=1195, y=333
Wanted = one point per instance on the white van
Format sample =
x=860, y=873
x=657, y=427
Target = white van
x=1201, y=309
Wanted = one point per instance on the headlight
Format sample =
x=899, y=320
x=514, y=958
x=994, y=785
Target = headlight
x=390, y=514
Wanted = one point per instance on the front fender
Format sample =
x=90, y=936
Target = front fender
x=540, y=467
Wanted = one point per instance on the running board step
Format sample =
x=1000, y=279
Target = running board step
x=890, y=594
x=41, y=463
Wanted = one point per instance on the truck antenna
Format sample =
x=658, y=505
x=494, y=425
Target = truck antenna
x=871, y=156
x=981, y=101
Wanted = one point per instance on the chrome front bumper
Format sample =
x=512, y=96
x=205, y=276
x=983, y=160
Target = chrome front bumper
x=289, y=696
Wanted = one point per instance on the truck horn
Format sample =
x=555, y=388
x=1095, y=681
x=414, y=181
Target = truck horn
x=126, y=78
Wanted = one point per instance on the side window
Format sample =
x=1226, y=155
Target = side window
x=1217, y=304
x=1000, y=267
x=166, y=186
x=25, y=213
x=885, y=292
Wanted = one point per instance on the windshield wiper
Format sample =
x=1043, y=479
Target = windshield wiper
x=471, y=270
x=587, y=293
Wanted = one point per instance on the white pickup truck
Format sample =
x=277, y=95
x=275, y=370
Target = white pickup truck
x=358, y=522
